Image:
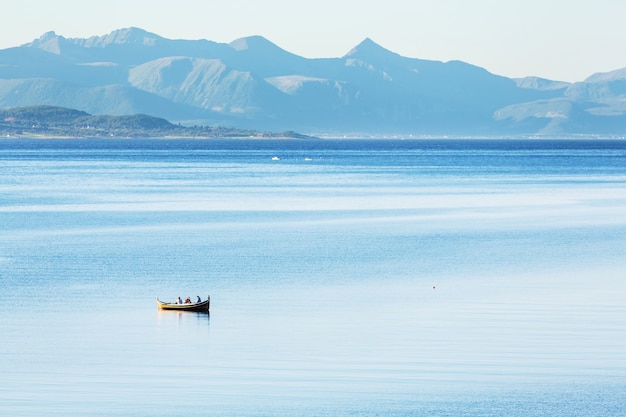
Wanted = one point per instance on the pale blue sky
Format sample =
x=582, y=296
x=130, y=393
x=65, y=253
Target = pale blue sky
x=557, y=39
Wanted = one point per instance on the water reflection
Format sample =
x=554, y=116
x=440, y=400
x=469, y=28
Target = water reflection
x=182, y=319
x=201, y=315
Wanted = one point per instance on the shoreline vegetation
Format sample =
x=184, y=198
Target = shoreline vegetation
x=51, y=122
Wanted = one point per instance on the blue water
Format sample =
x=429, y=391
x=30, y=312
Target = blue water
x=347, y=278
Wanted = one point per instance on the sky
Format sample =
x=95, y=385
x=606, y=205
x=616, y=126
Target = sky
x=565, y=40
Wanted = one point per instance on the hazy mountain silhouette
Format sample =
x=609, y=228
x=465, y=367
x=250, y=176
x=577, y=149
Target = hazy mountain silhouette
x=252, y=82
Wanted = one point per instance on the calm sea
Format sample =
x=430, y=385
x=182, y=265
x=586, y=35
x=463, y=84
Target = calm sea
x=347, y=277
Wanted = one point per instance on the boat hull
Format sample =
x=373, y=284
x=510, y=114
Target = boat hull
x=201, y=306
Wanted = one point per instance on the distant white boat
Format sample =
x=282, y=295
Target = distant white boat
x=307, y=159
x=275, y=158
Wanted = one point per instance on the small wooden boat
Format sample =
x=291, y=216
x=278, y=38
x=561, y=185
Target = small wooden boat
x=201, y=306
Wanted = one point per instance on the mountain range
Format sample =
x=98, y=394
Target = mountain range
x=253, y=83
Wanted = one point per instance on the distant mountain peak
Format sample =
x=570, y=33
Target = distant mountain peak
x=260, y=48
x=368, y=49
x=49, y=42
x=52, y=42
x=48, y=36
x=619, y=74
x=255, y=42
x=131, y=35
x=368, y=43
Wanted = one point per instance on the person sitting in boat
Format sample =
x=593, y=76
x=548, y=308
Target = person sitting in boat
x=199, y=299
x=188, y=300
x=179, y=301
